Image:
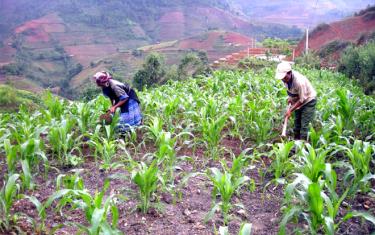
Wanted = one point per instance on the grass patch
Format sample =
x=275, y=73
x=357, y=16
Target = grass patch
x=11, y=99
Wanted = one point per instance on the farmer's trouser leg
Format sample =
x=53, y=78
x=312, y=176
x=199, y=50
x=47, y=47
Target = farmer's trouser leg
x=303, y=117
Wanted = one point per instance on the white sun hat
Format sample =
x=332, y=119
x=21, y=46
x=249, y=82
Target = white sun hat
x=282, y=69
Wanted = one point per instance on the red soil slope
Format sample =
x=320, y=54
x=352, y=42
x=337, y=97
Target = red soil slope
x=38, y=30
x=346, y=30
x=180, y=23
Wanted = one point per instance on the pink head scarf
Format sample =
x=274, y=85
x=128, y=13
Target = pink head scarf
x=102, y=78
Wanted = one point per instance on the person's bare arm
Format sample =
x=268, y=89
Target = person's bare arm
x=295, y=106
x=114, y=107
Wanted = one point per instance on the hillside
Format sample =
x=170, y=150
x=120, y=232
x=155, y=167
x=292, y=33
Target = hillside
x=11, y=99
x=215, y=43
x=302, y=13
x=329, y=39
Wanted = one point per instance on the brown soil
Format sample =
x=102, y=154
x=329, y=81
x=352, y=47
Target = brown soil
x=184, y=215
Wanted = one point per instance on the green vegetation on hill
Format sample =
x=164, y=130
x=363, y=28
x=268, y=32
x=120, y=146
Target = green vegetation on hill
x=359, y=63
x=11, y=99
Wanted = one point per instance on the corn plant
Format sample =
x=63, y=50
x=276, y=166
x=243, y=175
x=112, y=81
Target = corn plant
x=85, y=118
x=211, y=134
x=112, y=129
x=72, y=181
x=104, y=148
x=319, y=138
x=25, y=127
x=62, y=142
x=96, y=209
x=281, y=165
x=359, y=172
x=155, y=128
x=258, y=122
x=55, y=107
x=39, y=226
x=8, y=193
x=146, y=178
x=11, y=155
x=313, y=162
x=170, y=110
x=346, y=107
x=226, y=187
x=238, y=165
x=308, y=200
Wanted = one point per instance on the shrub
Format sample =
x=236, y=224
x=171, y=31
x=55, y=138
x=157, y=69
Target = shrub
x=359, y=63
x=193, y=64
x=310, y=60
x=152, y=72
x=332, y=47
x=255, y=64
x=11, y=69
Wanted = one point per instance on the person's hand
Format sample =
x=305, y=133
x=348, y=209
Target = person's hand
x=288, y=113
x=112, y=109
x=290, y=101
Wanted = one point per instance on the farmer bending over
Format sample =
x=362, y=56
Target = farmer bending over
x=122, y=96
x=301, y=97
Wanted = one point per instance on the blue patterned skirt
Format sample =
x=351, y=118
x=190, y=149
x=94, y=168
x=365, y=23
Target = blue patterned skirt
x=131, y=118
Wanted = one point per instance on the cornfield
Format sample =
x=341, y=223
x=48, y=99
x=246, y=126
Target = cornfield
x=207, y=145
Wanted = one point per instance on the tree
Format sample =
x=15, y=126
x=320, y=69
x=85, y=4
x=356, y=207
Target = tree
x=359, y=63
x=193, y=64
x=152, y=72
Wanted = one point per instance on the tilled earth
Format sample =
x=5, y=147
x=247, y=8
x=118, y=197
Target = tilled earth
x=182, y=213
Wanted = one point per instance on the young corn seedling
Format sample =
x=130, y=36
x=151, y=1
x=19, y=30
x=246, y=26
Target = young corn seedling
x=55, y=108
x=238, y=165
x=346, y=108
x=313, y=162
x=146, y=178
x=39, y=225
x=359, y=173
x=225, y=187
x=31, y=154
x=84, y=118
x=96, y=209
x=104, y=148
x=11, y=155
x=62, y=143
x=281, y=165
x=8, y=193
x=155, y=129
x=318, y=208
x=72, y=181
x=211, y=134
x=303, y=198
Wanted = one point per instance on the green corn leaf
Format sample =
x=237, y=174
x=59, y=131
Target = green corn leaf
x=26, y=176
x=288, y=216
x=315, y=200
x=329, y=227
x=211, y=213
x=223, y=230
x=38, y=205
x=115, y=215
x=367, y=216
x=245, y=229
x=10, y=189
x=96, y=220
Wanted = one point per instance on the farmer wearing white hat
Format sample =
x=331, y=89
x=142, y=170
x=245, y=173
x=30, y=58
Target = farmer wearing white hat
x=301, y=97
x=122, y=96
